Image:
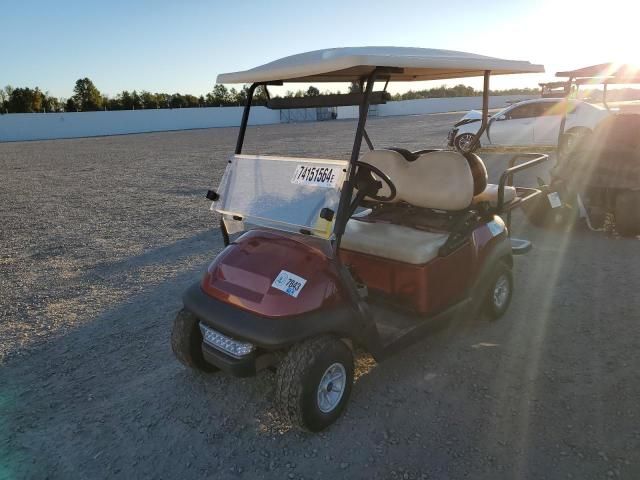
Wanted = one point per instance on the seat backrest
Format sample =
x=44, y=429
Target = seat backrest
x=479, y=172
x=439, y=180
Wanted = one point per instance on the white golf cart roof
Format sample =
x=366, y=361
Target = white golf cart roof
x=352, y=63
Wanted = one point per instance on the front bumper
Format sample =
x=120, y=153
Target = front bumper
x=246, y=366
x=267, y=333
x=451, y=136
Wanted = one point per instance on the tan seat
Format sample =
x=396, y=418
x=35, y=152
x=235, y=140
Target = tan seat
x=394, y=242
x=437, y=180
x=490, y=194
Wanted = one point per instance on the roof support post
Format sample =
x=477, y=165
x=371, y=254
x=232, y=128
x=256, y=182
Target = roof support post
x=485, y=111
x=347, y=186
x=563, y=121
x=245, y=118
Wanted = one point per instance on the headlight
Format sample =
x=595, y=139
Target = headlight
x=228, y=345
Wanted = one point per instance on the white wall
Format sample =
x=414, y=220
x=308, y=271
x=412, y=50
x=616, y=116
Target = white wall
x=42, y=126
x=434, y=105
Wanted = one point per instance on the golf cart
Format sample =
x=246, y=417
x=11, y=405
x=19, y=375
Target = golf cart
x=596, y=176
x=372, y=252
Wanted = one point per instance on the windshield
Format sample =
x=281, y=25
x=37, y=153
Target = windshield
x=285, y=193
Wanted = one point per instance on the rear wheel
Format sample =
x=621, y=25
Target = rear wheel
x=540, y=213
x=572, y=139
x=186, y=342
x=314, y=382
x=499, y=293
x=628, y=213
x=463, y=142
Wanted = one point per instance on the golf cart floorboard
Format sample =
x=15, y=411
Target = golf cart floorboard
x=400, y=329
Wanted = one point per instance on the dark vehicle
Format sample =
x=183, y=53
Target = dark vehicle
x=372, y=252
x=597, y=176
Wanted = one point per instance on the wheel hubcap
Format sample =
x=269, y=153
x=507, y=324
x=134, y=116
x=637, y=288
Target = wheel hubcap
x=465, y=142
x=501, y=291
x=331, y=387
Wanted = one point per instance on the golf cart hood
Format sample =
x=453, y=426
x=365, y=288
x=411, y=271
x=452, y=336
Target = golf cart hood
x=274, y=274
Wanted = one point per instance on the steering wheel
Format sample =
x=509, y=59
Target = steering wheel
x=367, y=183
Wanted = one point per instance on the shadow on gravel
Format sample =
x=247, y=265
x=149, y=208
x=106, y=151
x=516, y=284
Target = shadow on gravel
x=56, y=390
x=519, y=398
x=173, y=254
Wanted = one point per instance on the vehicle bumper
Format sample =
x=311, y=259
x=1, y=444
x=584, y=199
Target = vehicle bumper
x=451, y=136
x=267, y=333
x=246, y=366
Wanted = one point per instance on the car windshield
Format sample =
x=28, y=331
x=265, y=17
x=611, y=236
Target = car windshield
x=285, y=193
x=501, y=112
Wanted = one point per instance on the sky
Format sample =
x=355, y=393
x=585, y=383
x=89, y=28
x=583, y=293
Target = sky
x=171, y=46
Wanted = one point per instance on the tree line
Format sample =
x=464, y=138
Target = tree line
x=86, y=97
x=459, y=91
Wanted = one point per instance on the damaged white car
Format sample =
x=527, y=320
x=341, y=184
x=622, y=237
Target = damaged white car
x=532, y=122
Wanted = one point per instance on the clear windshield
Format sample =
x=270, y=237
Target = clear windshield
x=282, y=192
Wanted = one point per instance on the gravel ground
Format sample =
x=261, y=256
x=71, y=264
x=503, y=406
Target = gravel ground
x=100, y=236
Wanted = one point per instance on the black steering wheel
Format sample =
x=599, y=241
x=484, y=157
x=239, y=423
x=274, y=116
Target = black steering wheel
x=368, y=185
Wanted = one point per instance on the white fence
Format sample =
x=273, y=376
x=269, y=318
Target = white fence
x=433, y=105
x=44, y=126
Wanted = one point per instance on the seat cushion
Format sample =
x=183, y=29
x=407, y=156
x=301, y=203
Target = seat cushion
x=438, y=180
x=393, y=242
x=490, y=195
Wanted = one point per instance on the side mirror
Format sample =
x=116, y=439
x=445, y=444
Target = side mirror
x=501, y=117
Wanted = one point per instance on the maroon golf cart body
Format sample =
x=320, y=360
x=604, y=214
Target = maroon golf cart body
x=374, y=251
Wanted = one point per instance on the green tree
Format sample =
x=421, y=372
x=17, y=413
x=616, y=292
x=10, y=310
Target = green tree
x=4, y=98
x=51, y=104
x=71, y=106
x=219, y=96
x=260, y=96
x=149, y=100
x=25, y=100
x=241, y=97
x=87, y=96
x=126, y=100
x=312, y=92
x=177, y=101
x=136, y=101
x=163, y=99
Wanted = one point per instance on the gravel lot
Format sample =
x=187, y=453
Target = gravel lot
x=98, y=239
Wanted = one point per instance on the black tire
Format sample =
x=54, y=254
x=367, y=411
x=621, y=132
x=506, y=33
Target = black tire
x=299, y=377
x=496, y=303
x=540, y=213
x=186, y=342
x=572, y=140
x=462, y=140
x=628, y=213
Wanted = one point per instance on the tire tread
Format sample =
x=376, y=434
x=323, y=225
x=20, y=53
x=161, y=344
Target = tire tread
x=290, y=378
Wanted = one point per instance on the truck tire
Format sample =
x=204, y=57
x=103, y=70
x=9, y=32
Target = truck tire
x=186, y=342
x=627, y=213
x=314, y=382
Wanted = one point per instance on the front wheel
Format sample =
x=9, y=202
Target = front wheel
x=314, y=382
x=500, y=292
x=464, y=141
x=186, y=342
